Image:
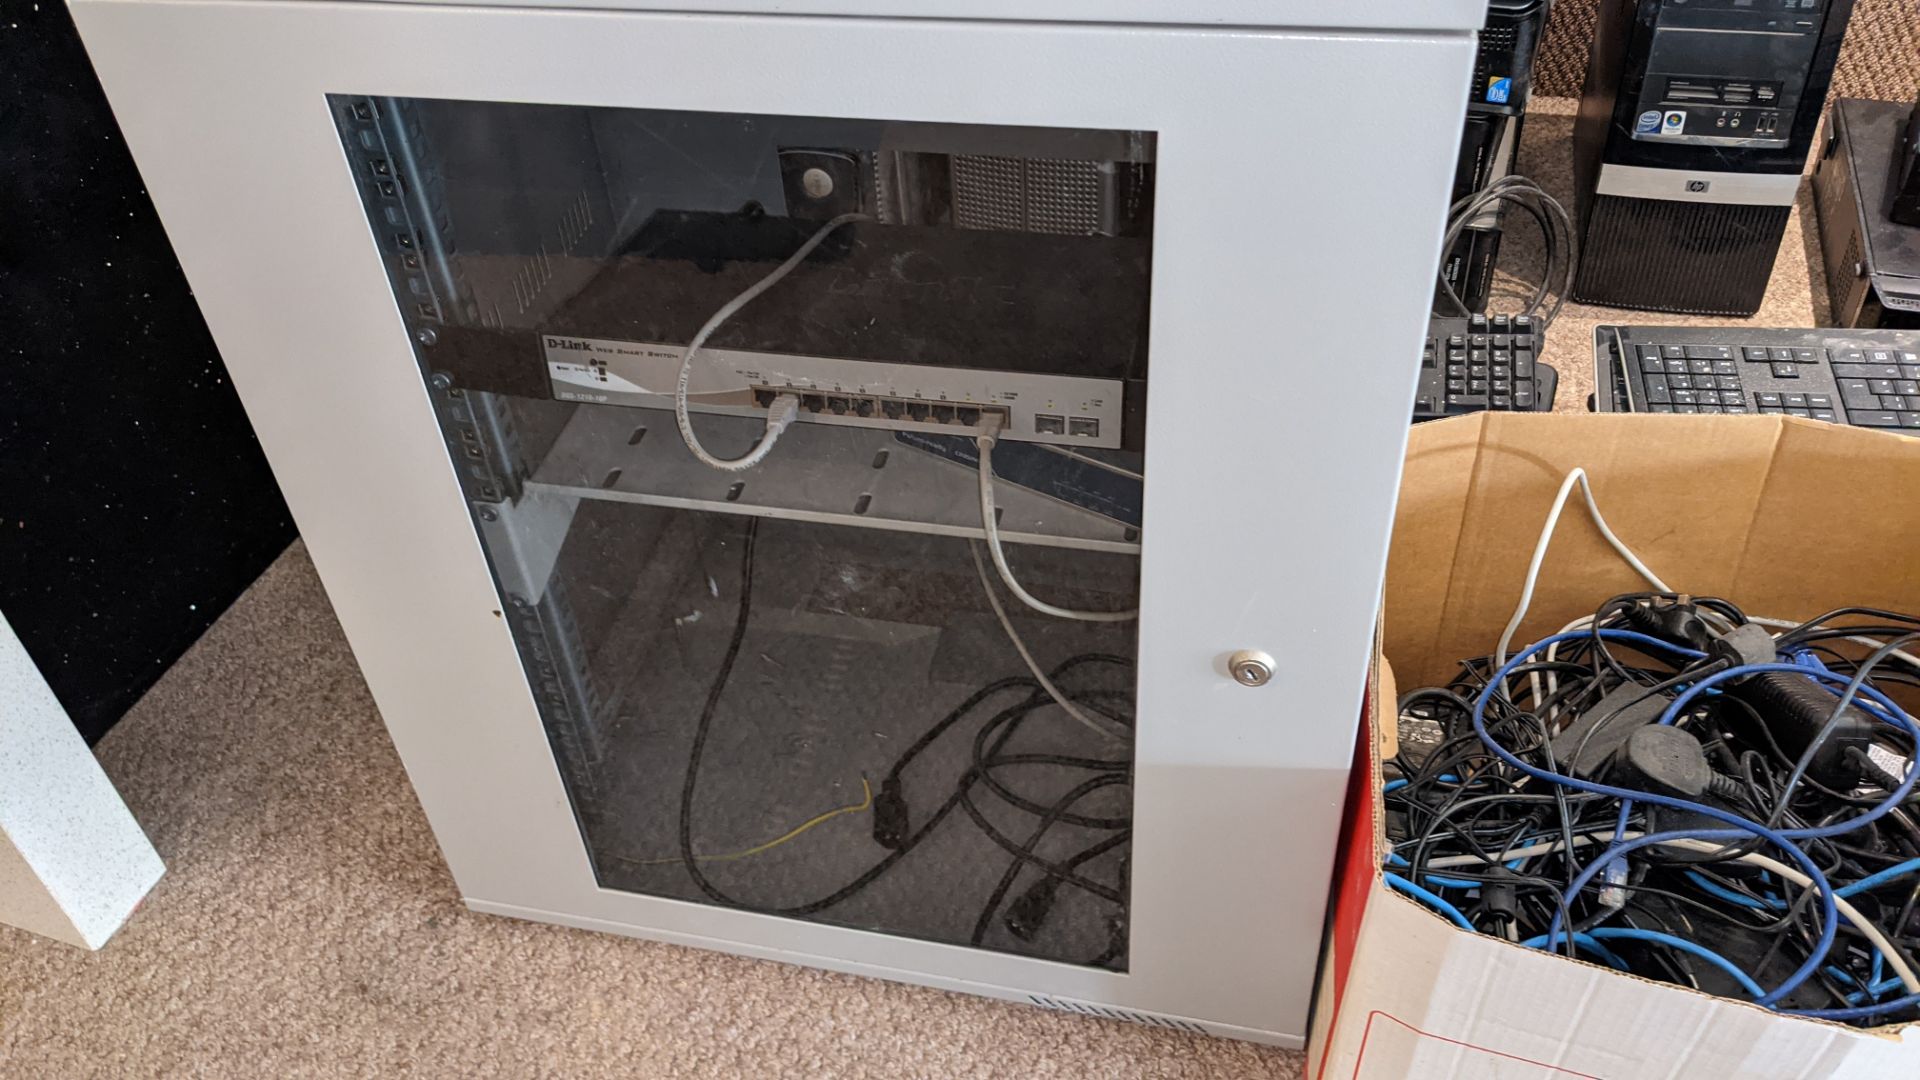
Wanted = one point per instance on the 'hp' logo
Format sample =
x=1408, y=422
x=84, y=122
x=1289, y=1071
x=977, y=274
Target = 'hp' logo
x=1697, y=186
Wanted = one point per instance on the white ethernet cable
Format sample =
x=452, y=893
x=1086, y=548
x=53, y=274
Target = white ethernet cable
x=989, y=524
x=785, y=406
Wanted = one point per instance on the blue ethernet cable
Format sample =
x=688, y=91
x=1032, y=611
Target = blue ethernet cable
x=1433, y=900
x=1863, y=1012
x=1875, y=880
x=1631, y=933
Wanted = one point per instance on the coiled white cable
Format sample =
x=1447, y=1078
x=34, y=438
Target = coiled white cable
x=786, y=406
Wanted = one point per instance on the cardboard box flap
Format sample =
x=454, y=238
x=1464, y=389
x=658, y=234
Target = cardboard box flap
x=1784, y=517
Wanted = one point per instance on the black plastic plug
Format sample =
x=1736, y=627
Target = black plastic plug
x=1026, y=915
x=890, y=818
x=1670, y=620
x=1662, y=760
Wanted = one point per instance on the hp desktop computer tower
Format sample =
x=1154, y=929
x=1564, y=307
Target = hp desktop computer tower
x=1693, y=130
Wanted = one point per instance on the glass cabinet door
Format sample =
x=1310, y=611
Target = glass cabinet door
x=807, y=455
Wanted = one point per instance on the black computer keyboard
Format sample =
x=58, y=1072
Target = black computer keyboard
x=1867, y=378
x=1481, y=363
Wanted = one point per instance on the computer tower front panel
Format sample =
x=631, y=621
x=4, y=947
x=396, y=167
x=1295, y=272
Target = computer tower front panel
x=1694, y=128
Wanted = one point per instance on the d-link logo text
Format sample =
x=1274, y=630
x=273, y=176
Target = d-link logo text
x=564, y=343
x=1698, y=186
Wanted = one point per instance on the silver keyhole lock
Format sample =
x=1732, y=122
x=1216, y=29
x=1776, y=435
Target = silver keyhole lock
x=1250, y=667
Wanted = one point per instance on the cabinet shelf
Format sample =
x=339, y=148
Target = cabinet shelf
x=818, y=472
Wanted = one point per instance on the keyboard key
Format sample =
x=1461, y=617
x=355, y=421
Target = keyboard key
x=1686, y=408
x=1799, y=412
x=1866, y=371
x=1528, y=341
x=1906, y=357
x=1456, y=386
x=1476, y=386
x=1794, y=401
x=1732, y=397
x=1801, y=356
x=1477, y=356
x=1770, y=408
x=1676, y=366
x=1727, y=382
x=1910, y=419
x=1502, y=401
x=1910, y=371
x=1714, y=409
x=1503, y=386
x=1819, y=401
x=1849, y=356
x=1725, y=367
x=1672, y=351
x=1657, y=392
x=1873, y=418
x=1881, y=386
x=1906, y=386
x=1683, y=382
x=1523, y=365
x=1898, y=401
x=1660, y=408
x=1709, y=352
x=1785, y=371
x=1732, y=409
x=1523, y=395
x=1880, y=356
x=1456, y=341
x=1477, y=371
x=1825, y=414
x=1767, y=400
x=1686, y=397
x=1759, y=353
x=1700, y=367
x=1856, y=394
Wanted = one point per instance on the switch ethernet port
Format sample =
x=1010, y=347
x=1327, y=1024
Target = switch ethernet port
x=917, y=410
x=1085, y=427
x=893, y=410
x=863, y=406
x=968, y=416
x=838, y=405
x=813, y=402
x=943, y=414
x=763, y=397
x=1048, y=424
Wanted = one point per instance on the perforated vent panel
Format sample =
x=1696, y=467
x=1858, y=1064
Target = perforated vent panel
x=1687, y=257
x=1084, y=1009
x=1064, y=197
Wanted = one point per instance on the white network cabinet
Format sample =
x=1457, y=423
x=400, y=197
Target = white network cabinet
x=1176, y=258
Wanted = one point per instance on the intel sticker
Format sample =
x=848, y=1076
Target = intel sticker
x=1649, y=122
x=1499, y=90
x=1674, y=122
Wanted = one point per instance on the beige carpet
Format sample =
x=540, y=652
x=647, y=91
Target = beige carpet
x=307, y=927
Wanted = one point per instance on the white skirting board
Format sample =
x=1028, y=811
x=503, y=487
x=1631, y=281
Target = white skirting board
x=74, y=864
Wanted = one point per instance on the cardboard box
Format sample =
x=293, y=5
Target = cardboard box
x=1788, y=518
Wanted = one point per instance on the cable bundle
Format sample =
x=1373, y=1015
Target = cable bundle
x=1556, y=232
x=1672, y=789
x=1062, y=821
